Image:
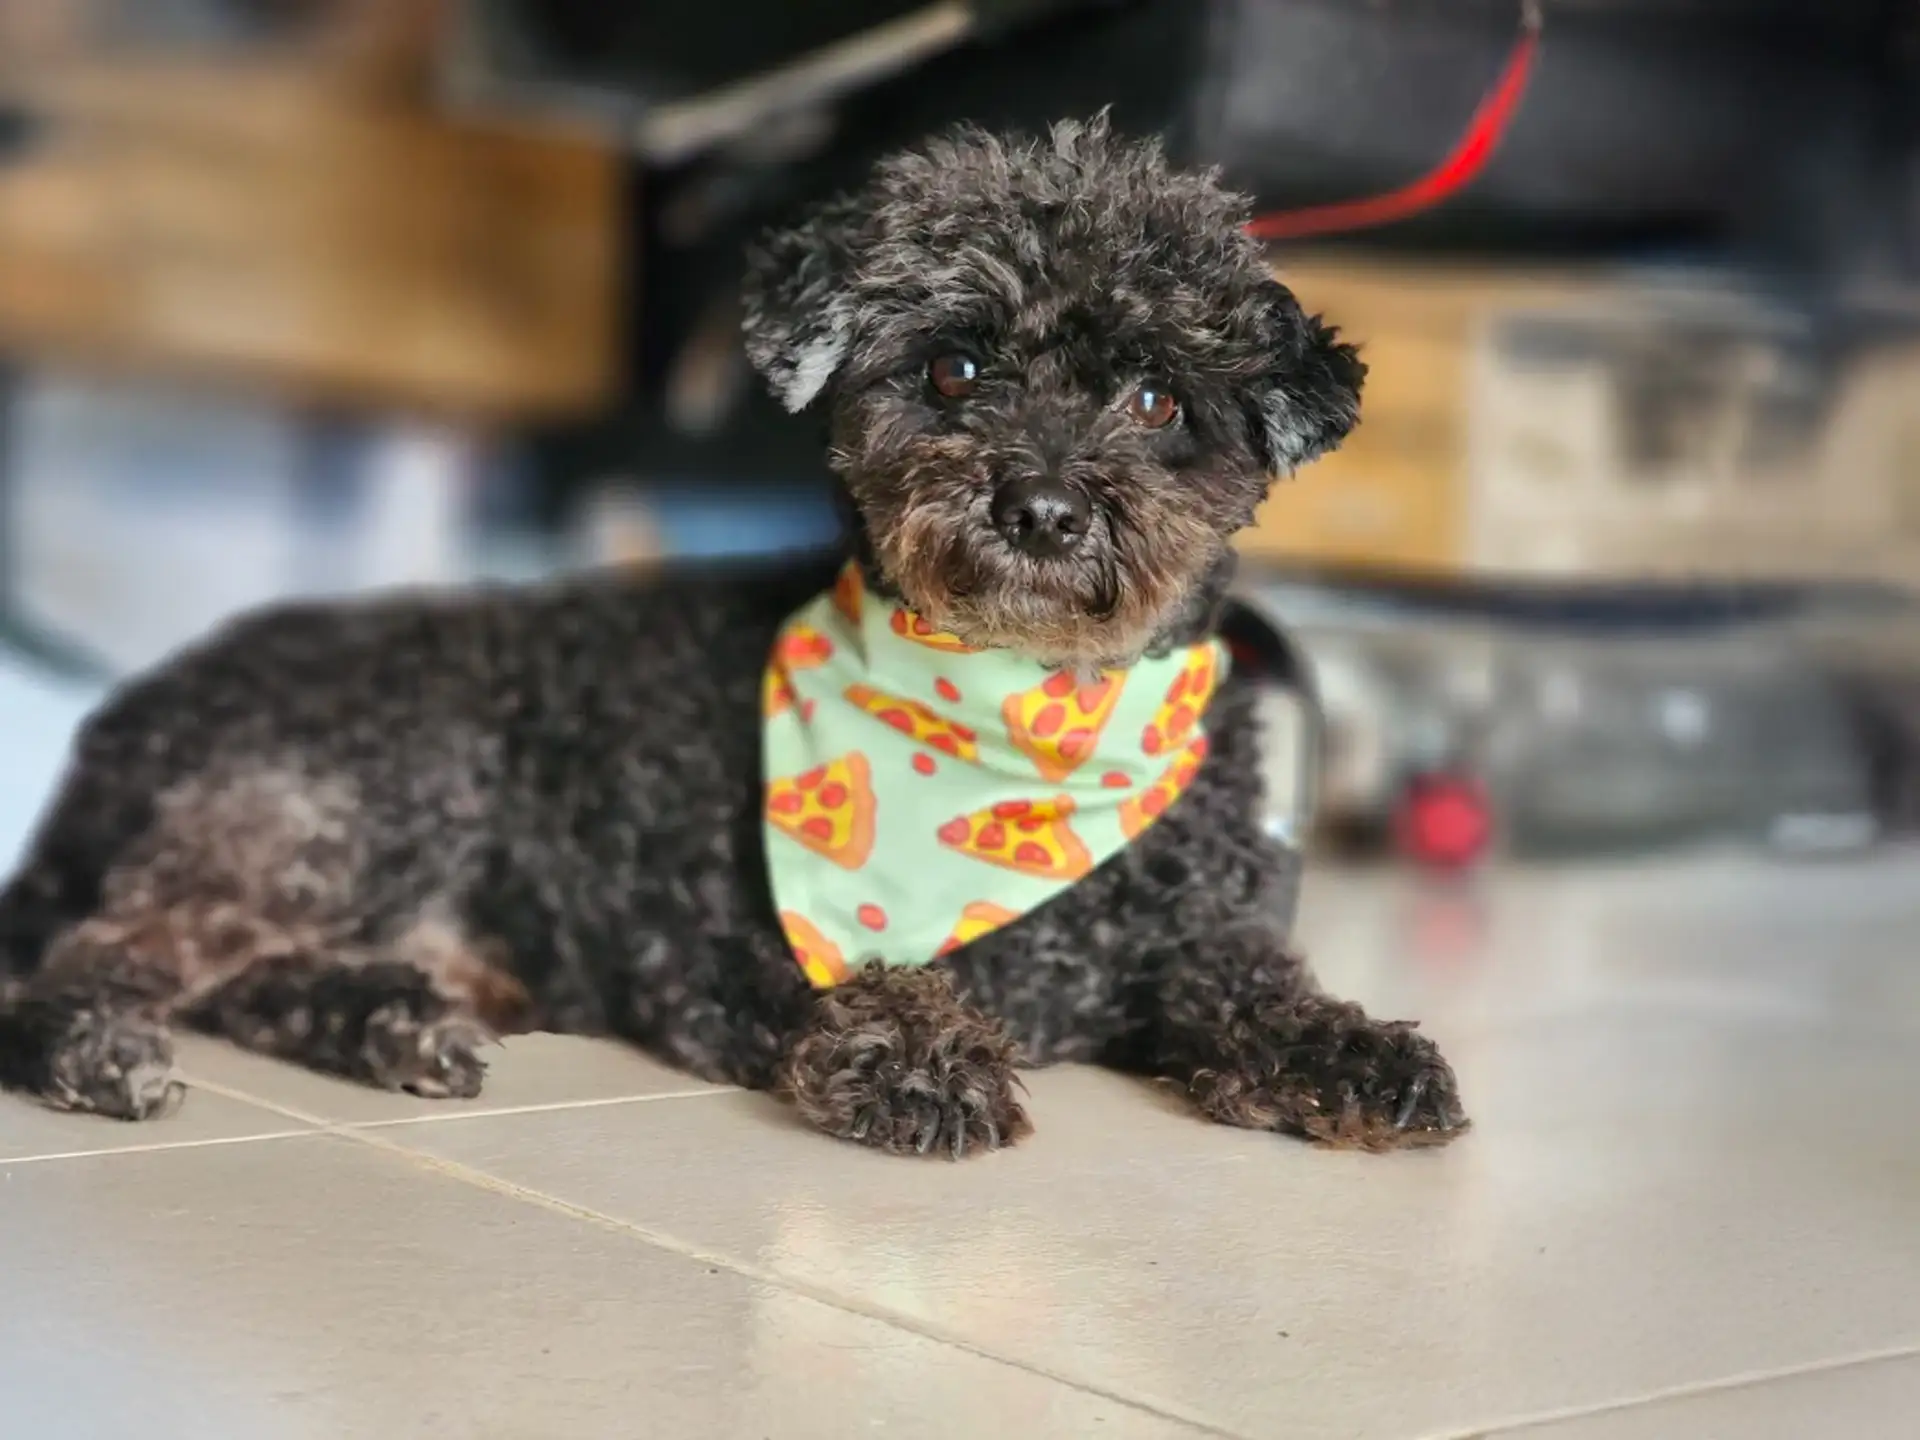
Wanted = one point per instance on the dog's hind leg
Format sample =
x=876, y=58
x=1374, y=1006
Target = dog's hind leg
x=233, y=871
x=384, y=1023
x=414, y=1015
x=1241, y=1022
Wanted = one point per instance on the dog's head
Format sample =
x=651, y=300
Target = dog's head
x=1060, y=378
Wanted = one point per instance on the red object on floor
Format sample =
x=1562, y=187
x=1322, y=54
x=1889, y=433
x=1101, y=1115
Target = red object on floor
x=1467, y=159
x=1444, y=821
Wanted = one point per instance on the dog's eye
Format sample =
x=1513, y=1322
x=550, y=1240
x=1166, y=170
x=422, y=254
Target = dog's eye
x=954, y=376
x=1152, y=406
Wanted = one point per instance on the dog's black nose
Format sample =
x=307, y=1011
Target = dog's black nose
x=1041, y=517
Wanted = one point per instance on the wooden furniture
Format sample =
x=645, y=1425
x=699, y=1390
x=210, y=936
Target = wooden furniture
x=1605, y=425
x=304, y=219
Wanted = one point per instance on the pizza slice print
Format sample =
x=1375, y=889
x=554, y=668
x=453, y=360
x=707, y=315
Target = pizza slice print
x=849, y=594
x=801, y=647
x=777, y=695
x=1057, y=724
x=982, y=917
x=1186, y=702
x=819, y=957
x=1137, y=812
x=829, y=809
x=1032, y=837
x=920, y=723
x=909, y=626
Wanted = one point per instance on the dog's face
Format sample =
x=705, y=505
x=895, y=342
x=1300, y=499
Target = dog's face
x=1061, y=378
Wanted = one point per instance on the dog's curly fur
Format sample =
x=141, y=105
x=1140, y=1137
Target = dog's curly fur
x=366, y=836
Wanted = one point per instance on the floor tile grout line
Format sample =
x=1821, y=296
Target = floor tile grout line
x=158, y=1146
x=1725, y=1384
x=539, y=1108
x=485, y=1112
x=687, y=1250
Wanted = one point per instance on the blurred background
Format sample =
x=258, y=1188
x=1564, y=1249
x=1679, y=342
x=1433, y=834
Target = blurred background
x=314, y=296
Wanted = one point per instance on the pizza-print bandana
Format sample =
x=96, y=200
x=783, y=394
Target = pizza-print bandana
x=921, y=794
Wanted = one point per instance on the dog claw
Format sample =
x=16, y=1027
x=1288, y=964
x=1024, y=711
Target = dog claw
x=862, y=1124
x=172, y=1100
x=1415, y=1090
x=929, y=1132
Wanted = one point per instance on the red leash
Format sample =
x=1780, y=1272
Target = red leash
x=1467, y=159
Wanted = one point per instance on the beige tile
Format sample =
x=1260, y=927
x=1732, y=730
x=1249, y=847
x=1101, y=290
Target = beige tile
x=1876, y=1400
x=1644, y=1205
x=1712, y=935
x=30, y=1131
x=320, y=1287
x=524, y=1071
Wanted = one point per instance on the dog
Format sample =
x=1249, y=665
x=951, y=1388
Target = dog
x=366, y=837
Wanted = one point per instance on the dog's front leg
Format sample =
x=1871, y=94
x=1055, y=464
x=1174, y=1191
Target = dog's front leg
x=1241, y=1022
x=894, y=1059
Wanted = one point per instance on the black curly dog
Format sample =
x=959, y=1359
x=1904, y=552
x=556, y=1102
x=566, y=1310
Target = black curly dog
x=365, y=837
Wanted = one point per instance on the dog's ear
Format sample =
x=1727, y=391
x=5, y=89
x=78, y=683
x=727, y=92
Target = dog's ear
x=1309, y=398
x=796, y=312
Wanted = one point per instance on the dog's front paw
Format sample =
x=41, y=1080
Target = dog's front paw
x=894, y=1060
x=1324, y=1069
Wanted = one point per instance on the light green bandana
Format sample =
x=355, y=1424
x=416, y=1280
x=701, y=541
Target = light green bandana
x=921, y=794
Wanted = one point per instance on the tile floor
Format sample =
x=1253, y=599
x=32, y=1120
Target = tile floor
x=1691, y=1209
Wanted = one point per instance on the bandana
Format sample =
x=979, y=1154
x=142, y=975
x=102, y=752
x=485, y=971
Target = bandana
x=921, y=794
